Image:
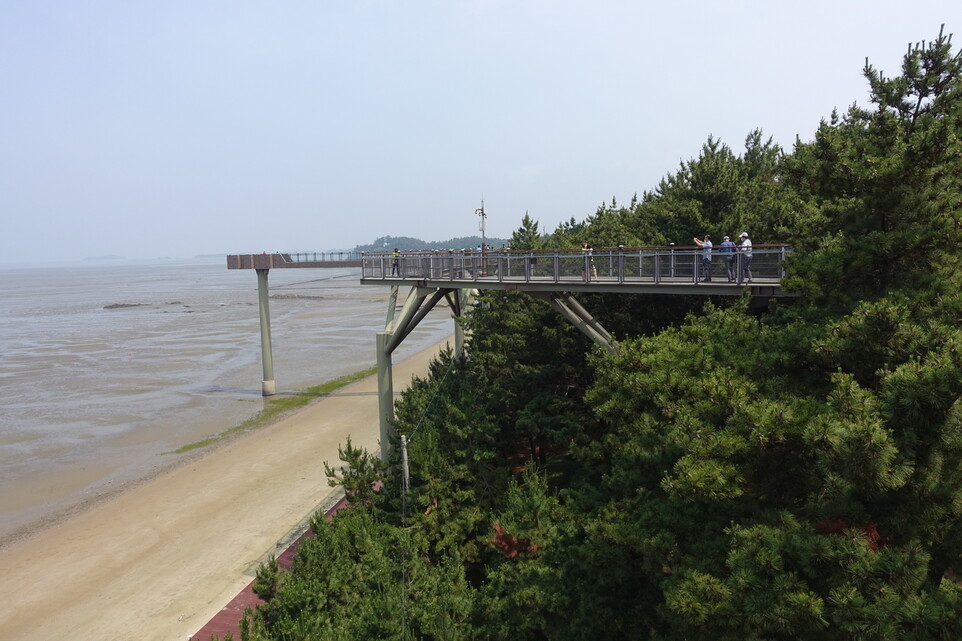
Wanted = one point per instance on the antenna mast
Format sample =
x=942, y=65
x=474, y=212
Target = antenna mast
x=480, y=212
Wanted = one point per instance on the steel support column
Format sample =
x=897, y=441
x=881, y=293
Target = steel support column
x=459, y=300
x=268, y=387
x=413, y=312
x=385, y=393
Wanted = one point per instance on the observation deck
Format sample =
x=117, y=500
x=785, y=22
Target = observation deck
x=647, y=270
x=554, y=276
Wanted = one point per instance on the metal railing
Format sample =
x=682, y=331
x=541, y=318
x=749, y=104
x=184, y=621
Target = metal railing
x=647, y=265
x=325, y=257
x=279, y=260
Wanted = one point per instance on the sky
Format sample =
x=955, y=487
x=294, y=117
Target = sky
x=179, y=128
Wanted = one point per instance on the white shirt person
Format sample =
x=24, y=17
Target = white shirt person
x=745, y=251
x=705, y=256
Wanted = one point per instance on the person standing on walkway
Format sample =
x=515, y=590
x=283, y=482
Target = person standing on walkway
x=745, y=253
x=705, y=257
x=396, y=263
x=728, y=251
x=589, y=269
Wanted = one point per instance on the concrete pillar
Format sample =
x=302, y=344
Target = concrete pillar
x=385, y=392
x=268, y=387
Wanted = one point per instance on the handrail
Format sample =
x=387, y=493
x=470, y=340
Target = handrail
x=649, y=265
x=323, y=257
x=303, y=259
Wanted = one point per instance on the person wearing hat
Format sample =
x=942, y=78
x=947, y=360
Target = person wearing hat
x=745, y=253
x=728, y=251
x=705, y=257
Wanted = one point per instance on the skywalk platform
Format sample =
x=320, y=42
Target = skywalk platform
x=279, y=260
x=652, y=270
x=555, y=276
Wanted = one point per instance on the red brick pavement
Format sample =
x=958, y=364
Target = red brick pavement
x=228, y=619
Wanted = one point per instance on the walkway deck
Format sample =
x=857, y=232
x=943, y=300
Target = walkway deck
x=653, y=270
x=291, y=260
x=645, y=270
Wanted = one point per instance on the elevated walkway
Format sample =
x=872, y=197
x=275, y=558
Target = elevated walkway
x=554, y=276
x=649, y=270
x=280, y=261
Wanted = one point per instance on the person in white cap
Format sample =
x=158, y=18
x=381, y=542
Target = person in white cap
x=745, y=251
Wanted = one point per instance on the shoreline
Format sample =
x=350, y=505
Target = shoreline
x=185, y=455
x=162, y=555
x=93, y=397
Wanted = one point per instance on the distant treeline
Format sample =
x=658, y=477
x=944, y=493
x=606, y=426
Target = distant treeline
x=388, y=243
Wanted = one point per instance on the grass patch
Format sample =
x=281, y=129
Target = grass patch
x=277, y=406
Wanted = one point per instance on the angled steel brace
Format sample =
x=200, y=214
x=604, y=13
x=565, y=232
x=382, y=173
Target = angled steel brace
x=414, y=311
x=586, y=315
x=453, y=301
x=578, y=315
x=411, y=304
x=391, y=307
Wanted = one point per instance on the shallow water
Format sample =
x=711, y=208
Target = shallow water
x=105, y=367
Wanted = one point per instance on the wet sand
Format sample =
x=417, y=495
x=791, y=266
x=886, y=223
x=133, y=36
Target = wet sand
x=160, y=559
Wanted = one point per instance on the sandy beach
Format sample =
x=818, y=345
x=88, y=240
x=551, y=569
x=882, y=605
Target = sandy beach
x=159, y=560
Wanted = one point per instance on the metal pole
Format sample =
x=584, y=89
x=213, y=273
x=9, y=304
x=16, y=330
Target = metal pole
x=480, y=212
x=268, y=387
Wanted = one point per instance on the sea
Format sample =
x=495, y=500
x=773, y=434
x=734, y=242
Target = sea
x=106, y=367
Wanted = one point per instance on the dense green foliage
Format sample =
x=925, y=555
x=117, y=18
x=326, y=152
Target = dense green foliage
x=724, y=473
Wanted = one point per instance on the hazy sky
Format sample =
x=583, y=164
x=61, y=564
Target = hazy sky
x=176, y=128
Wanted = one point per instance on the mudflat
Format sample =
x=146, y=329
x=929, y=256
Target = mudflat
x=160, y=560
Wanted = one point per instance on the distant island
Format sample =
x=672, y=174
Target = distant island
x=387, y=243
x=107, y=257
